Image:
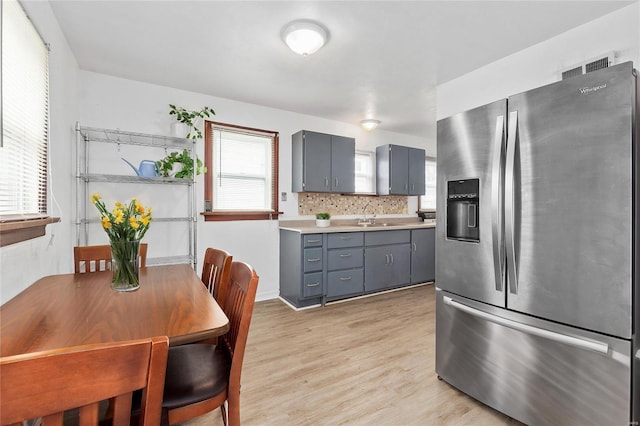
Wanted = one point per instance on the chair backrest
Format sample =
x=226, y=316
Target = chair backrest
x=45, y=384
x=98, y=258
x=215, y=272
x=238, y=306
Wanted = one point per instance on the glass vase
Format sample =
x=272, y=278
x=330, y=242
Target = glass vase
x=124, y=265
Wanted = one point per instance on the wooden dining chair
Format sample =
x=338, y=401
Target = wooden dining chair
x=45, y=384
x=201, y=377
x=98, y=258
x=215, y=272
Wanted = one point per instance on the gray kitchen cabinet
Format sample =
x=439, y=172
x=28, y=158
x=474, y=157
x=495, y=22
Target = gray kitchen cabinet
x=400, y=170
x=387, y=260
x=423, y=255
x=301, y=268
x=345, y=265
x=322, y=162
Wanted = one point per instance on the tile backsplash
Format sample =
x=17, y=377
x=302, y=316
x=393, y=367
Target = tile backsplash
x=310, y=203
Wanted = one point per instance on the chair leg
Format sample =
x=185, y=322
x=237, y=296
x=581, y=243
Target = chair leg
x=233, y=407
x=223, y=411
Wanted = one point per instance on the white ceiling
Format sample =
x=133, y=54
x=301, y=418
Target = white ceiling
x=383, y=59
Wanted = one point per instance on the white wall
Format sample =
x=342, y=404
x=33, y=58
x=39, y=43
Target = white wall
x=117, y=103
x=23, y=263
x=542, y=63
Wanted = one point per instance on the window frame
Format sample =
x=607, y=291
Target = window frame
x=208, y=177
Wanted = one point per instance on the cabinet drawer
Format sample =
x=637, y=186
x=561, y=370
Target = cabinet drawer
x=312, y=259
x=312, y=285
x=345, y=239
x=345, y=258
x=312, y=240
x=377, y=238
x=344, y=283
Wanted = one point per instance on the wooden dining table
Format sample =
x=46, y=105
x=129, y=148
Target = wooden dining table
x=62, y=311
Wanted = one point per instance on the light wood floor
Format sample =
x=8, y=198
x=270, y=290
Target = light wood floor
x=368, y=361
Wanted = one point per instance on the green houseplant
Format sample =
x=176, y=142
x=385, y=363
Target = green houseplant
x=189, y=119
x=167, y=166
x=323, y=220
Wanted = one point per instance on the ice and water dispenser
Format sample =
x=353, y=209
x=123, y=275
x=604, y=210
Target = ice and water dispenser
x=462, y=210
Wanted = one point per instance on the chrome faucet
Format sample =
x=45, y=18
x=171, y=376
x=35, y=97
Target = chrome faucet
x=364, y=220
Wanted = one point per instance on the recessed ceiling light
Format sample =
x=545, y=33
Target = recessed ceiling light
x=369, y=124
x=304, y=37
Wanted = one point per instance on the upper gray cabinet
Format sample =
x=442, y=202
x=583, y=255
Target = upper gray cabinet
x=400, y=170
x=322, y=162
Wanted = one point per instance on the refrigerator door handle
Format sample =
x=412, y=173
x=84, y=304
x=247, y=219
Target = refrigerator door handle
x=509, y=207
x=600, y=347
x=496, y=198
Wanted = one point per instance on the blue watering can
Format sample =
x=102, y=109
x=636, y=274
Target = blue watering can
x=147, y=168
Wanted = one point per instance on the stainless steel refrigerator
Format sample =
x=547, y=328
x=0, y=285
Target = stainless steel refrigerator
x=537, y=256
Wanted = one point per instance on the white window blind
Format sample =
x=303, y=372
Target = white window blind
x=428, y=200
x=242, y=170
x=364, y=172
x=25, y=115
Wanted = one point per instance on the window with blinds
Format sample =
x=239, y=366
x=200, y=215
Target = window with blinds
x=242, y=169
x=25, y=116
x=365, y=166
x=428, y=200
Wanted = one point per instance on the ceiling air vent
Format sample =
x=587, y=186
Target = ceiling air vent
x=595, y=64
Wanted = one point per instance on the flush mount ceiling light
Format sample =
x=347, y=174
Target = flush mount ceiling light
x=369, y=124
x=304, y=37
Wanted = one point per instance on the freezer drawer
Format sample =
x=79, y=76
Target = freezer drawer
x=535, y=371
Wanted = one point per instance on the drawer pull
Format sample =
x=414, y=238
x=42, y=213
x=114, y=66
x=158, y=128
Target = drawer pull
x=345, y=238
x=313, y=241
x=345, y=278
x=316, y=259
x=346, y=255
x=313, y=284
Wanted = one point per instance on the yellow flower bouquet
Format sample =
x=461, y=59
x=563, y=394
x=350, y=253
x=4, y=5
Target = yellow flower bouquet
x=125, y=226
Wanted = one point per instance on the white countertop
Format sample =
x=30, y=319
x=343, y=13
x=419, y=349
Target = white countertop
x=350, y=225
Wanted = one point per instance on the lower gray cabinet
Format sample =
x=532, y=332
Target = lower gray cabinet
x=423, y=255
x=387, y=260
x=345, y=262
x=320, y=267
x=301, y=268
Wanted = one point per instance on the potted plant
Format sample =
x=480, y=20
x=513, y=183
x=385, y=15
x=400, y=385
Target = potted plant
x=323, y=220
x=188, y=120
x=179, y=165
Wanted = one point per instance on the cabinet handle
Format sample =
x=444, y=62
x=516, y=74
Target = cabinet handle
x=345, y=278
x=346, y=255
x=313, y=241
x=313, y=284
x=415, y=247
x=391, y=258
x=337, y=182
x=316, y=259
x=326, y=182
x=387, y=257
x=345, y=238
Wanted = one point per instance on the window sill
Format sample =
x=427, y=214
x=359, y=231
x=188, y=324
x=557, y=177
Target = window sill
x=16, y=230
x=227, y=216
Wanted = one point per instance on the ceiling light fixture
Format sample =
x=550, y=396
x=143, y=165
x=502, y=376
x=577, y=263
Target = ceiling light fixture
x=369, y=124
x=304, y=37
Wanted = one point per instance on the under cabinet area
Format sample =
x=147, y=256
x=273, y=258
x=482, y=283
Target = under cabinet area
x=326, y=266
